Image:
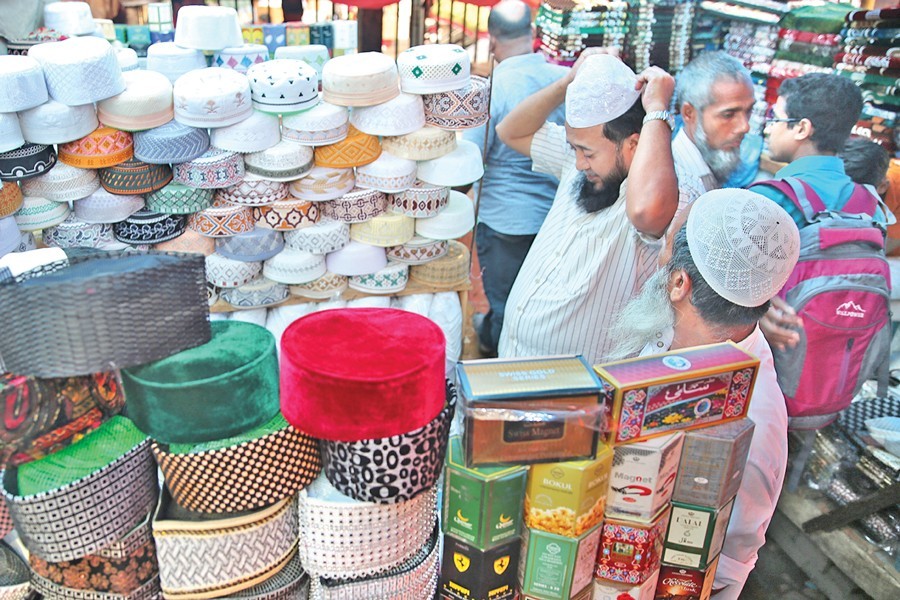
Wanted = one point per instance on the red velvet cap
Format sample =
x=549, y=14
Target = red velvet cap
x=361, y=373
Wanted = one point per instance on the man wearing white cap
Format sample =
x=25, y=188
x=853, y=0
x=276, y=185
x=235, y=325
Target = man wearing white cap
x=599, y=241
x=719, y=271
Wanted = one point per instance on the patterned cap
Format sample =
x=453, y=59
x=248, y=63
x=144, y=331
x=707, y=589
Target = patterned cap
x=254, y=134
x=259, y=293
x=145, y=103
x=460, y=167
x=80, y=70
x=75, y=233
x=389, y=280
x=179, y=199
x=418, y=251
x=38, y=213
x=356, y=206
x=322, y=238
x=240, y=58
x=215, y=168
x=404, y=114
x=213, y=97
x=464, y=108
x=105, y=207
x=191, y=242
x=10, y=132
x=173, y=61
x=134, y=177
x=385, y=230
x=146, y=227
x=421, y=200
x=20, y=46
x=63, y=183
x=26, y=161
x=315, y=55
x=363, y=79
x=356, y=150
x=424, y=144
x=22, y=84
x=255, y=245
x=283, y=86
x=56, y=123
x=253, y=190
x=222, y=220
x=387, y=173
x=603, y=90
x=10, y=198
x=323, y=183
x=228, y=273
x=285, y=161
x=104, y=147
x=171, y=143
x=293, y=267
x=287, y=215
x=319, y=126
x=328, y=285
x=446, y=272
x=433, y=68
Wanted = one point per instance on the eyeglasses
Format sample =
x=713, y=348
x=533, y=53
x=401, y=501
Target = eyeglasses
x=772, y=118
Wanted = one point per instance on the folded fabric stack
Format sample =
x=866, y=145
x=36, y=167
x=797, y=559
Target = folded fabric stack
x=660, y=34
x=368, y=524
x=808, y=41
x=708, y=31
x=868, y=58
x=80, y=483
x=565, y=28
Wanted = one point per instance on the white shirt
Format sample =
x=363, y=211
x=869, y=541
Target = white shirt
x=582, y=268
x=694, y=176
x=763, y=476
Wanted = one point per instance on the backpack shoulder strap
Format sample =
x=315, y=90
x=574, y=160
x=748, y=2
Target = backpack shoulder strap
x=861, y=201
x=799, y=193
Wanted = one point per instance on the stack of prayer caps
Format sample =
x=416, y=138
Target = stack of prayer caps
x=866, y=59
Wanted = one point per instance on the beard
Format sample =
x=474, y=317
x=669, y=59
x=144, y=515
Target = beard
x=645, y=315
x=593, y=197
x=722, y=163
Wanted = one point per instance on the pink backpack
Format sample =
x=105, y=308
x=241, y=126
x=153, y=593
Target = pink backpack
x=841, y=289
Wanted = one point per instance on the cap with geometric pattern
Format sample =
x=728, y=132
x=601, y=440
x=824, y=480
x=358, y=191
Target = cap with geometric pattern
x=10, y=198
x=103, y=147
x=26, y=161
x=134, y=177
x=177, y=198
x=356, y=150
x=146, y=102
x=171, y=143
x=63, y=183
x=56, y=123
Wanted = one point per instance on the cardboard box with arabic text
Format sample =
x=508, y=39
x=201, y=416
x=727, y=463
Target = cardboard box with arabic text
x=679, y=390
x=630, y=551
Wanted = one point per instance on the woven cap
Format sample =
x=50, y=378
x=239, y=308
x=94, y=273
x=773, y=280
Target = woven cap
x=63, y=183
x=75, y=233
x=285, y=161
x=259, y=292
x=319, y=126
x=10, y=132
x=215, y=168
x=743, y=244
x=213, y=97
x=103, y=147
x=56, y=123
x=147, y=227
x=80, y=70
x=603, y=89
x=356, y=150
x=38, y=213
x=177, y=198
x=22, y=84
x=293, y=267
x=283, y=86
x=251, y=246
x=171, y=143
x=323, y=183
x=145, y=103
x=105, y=207
x=135, y=177
x=26, y=161
x=254, y=134
x=10, y=198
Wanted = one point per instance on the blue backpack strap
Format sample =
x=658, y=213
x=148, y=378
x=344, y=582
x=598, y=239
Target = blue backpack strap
x=799, y=193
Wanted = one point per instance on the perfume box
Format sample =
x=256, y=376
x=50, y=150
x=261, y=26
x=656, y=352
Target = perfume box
x=610, y=590
x=253, y=34
x=568, y=498
x=712, y=463
x=680, y=390
x=296, y=33
x=630, y=551
x=555, y=567
x=481, y=506
x=468, y=573
x=530, y=410
x=643, y=477
x=685, y=583
x=695, y=534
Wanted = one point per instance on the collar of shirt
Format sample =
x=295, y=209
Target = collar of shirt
x=808, y=165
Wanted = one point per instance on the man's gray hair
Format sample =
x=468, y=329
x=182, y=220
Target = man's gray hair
x=510, y=19
x=694, y=84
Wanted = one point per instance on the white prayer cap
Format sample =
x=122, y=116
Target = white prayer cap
x=743, y=244
x=603, y=90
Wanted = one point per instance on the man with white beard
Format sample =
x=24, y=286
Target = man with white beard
x=714, y=94
x=728, y=254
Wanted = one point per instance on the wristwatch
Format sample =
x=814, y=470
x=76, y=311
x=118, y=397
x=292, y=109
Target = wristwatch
x=662, y=115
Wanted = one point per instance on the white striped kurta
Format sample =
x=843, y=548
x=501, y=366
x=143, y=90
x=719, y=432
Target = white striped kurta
x=694, y=175
x=580, y=271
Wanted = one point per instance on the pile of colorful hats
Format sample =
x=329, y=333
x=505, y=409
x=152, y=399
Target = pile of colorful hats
x=369, y=524
x=660, y=34
x=564, y=28
x=866, y=58
x=80, y=482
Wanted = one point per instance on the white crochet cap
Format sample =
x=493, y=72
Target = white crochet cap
x=743, y=244
x=603, y=90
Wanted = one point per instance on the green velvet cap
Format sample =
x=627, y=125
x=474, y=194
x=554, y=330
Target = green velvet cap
x=110, y=441
x=220, y=389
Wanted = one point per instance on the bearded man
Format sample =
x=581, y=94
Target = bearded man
x=714, y=95
x=719, y=271
x=599, y=241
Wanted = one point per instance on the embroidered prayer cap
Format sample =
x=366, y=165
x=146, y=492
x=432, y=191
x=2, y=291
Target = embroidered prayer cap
x=399, y=116
x=258, y=293
x=743, y=244
x=462, y=108
x=222, y=388
x=255, y=133
x=22, y=84
x=146, y=103
x=387, y=173
x=128, y=59
x=433, y=68
x=222, y=220
x=603, y=90
x=80, y=70
x=208, y=28
x=461, y=166
x=10, y=198
x=290, y=583
x=294, y=267
x=63, y=183
x=238, y=551
x=319, y=126
x=418, y=251
x=420, y=200
x=173, y=61
x=38, y=213
x=251, y=246
x=345, y=538
x=56, y=123
x=70, y=18
x=327, y=286
x=356, y=206
x=322, y=238
x=454, y=221
x=400, y=371
x=10, y=132
x=364, y=79
x=240, y=58
x=228, y=273
x=245, y=472
x=356, y=150
x=105, y=207
x=323, y=183
x=215, y=168
x=356, y=258
x=148, y=227
x=285, y=161
x=190, y=242
x=107, y=305
x=171, y=143
x=387, y=281
x=448, y=271
x=287, y=215
x=103, y=147
x=315, y=55
x=386, y=230
x=26, y=161
x=21, y=46
x=134, y=177
x=423, y=144
x=213, y=97
x=253, y=190
x=178, y=199
x=283, y=86
x=75, y=233
x=111, y=466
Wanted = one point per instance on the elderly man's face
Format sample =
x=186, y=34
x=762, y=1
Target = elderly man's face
x=726, y=119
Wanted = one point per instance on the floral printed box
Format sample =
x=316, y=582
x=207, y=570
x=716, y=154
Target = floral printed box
x=630, y=551
x=680, y=390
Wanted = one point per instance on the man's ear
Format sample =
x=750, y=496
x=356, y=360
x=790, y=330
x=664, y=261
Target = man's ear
x=803, y=130
x=689, y=113
x=679, y=286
